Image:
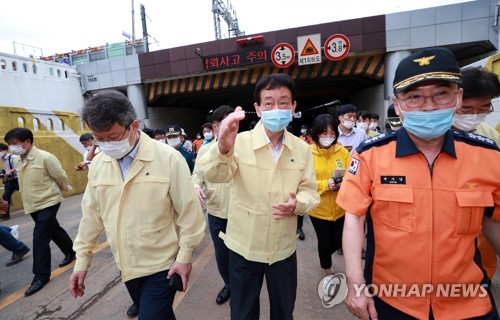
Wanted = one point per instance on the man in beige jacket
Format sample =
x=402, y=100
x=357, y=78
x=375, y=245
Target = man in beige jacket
x=41, y=180
x=273, y=181
x=215, y=198
x=139, y=191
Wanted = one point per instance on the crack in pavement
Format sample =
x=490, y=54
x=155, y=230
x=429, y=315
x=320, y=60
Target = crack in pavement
x=85, y=306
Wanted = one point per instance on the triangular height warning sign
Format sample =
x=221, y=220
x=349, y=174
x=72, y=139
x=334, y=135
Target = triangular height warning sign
x=309, y=49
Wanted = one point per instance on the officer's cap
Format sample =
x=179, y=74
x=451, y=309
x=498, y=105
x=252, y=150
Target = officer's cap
x=424, y=65
x=173, y=130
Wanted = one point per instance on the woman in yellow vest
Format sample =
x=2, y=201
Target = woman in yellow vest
x=330, y=162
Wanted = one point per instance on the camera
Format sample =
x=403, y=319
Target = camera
x=338, y=180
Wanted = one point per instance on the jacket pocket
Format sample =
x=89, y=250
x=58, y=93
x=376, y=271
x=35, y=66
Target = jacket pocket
x=469, y=214
x=395, y=207
x=153, y=244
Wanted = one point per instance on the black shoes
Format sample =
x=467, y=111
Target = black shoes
x=68, y=259
x=223, y=296
x=4, y=217
x=36, y=286
x=17, y=257
x=301, y=234
x=133, y=311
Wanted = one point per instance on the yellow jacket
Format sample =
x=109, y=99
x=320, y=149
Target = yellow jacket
x=217, y=194
x=325, y=162
x=41, y=179
x=151, y=218
x=257, y=183
x=372, y=133
x=487, y=131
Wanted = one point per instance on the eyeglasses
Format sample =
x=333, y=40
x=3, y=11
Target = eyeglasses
x=465, y=109
x=119, y=138
x=442, y=97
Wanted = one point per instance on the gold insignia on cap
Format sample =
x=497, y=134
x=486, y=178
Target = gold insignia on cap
x=424, y=61
x=471, y=185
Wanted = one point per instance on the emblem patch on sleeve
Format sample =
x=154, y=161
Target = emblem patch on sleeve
x=353, y=167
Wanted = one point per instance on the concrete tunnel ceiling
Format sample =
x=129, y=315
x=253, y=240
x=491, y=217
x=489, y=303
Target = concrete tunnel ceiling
x=316, y=84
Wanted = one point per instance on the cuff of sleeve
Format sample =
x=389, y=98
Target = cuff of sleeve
x=81, y=265
x=300, y=207
x=184, y=256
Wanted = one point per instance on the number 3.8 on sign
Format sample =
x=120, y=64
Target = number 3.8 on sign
x=337, y=47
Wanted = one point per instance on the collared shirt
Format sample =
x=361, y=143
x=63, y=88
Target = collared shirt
x=423, y=219
x=275, y=150
x=257, y=183
x=126, y=161
x=151, y=218
x=353, y=138
x=41, y=179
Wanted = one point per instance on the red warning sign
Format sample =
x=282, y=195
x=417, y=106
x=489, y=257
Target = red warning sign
x=309, y=49
x=283, y=55
x=337, y=47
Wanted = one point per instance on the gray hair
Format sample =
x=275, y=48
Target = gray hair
x=106, y=108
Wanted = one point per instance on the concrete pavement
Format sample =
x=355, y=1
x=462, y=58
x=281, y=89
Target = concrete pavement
x=106, y=297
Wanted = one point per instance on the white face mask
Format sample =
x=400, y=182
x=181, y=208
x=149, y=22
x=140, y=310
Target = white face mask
x=116, y=149
x=17, y=150
x=348, y=124
x=362, y=125
x=162, y=140
x=326, y=142
x=468, y=122
x=373, y=126
x=2, y=154
x=174, y=142
x=208, y=135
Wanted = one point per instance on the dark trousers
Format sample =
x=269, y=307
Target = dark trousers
x=153, y=295
x=8, y=241
x=47, y=228
x=216, y=225
x=386, y=311
x=246, y=282
x=10, y=187
x=329, y=234
x=300, y=221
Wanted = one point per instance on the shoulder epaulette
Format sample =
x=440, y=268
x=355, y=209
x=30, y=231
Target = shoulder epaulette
x=378, y=140
x=474, y=139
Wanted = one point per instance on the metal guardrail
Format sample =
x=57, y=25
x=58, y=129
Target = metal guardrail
x=107, y=51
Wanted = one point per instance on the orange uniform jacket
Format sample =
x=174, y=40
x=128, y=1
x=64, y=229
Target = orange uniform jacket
x=423, y=220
